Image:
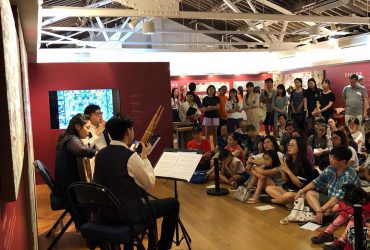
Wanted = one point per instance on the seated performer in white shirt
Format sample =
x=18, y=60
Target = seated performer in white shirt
x=99, y=136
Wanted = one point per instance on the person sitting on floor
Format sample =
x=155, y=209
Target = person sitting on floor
x=332, y=178
x=222, y=139
x=252, y=140
x=233, y=145
x=296, y=172
x=242, y=133
x=339, y=138
x=358, y=137
x=353, y=195
x=284, y=139
x=198, y=143
x=280, y=127
x=232, y=170
x=130, y=176
x=264, y=173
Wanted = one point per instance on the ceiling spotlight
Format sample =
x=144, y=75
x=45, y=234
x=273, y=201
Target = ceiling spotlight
x=333, y=27
x=315, y=30
x=148, y=28
x=132, y=24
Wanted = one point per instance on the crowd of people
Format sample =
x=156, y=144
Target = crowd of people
x=302, y=150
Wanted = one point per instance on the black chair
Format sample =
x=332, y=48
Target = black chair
x=86, y=199
x=57, y=202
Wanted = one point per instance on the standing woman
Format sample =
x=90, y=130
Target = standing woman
x=241, y=100
x=69, y=148
x=311, y=97
x=251, y=104
x=211, y=105
x=279, y=104
x=182, y=95
x=175, y=104
x=233, y=109
x=188, y=111
x=297, y=104
x=326, y=102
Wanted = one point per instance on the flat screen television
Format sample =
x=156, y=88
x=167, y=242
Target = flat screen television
x=64, y=104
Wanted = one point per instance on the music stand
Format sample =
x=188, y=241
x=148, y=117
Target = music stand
x=185, y=235
x=217, y=191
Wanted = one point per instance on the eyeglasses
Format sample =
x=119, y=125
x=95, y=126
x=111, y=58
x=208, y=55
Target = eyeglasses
x=98, y=113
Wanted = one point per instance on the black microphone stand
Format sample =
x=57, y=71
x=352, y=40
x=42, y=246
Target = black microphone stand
x=217, y=191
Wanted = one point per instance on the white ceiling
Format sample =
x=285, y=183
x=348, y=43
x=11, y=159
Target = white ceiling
x=199, y=37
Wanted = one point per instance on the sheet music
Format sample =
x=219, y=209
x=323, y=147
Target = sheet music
x=179, y=165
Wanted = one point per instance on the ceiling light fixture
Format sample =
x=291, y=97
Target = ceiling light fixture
x=132, y=24
x=148, y=28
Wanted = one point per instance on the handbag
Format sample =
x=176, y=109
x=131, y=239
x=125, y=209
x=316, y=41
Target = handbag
x=199, y=177
x=242, y=194
x=300, y=212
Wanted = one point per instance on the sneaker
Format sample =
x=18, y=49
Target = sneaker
x=265, y=198
x=336, y=245
x=253, y=199
x=322, y=238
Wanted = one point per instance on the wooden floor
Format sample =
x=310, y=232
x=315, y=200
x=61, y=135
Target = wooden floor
x=216, y=223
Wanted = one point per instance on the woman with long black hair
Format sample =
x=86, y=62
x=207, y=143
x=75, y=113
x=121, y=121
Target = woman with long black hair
x=311, y=97
x=69, y=148
x=296, y=173
x=297, y=104
x=233, y=108
x=251, y=104
x=326, y=100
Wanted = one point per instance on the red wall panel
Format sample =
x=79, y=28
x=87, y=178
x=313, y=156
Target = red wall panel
x=143, y=87
x=13, y=225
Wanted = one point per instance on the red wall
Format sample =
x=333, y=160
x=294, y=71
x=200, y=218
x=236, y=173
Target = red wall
x=13, y=225
x=143, y=87
x=338, y=76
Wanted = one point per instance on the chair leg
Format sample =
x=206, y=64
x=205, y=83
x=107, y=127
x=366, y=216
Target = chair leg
x=128, y=246
x=60, y=234
x=48, y=234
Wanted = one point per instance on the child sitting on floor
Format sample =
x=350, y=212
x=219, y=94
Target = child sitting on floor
x=353, y=195
x=232, y=170
x=264, y=174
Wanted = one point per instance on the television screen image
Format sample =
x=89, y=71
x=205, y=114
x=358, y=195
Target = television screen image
x=64, y=104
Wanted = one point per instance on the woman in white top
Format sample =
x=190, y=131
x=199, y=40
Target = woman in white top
x=188, y=111
x=233, y=108
x=357, y=135
x=251, y=103
x=175, y=104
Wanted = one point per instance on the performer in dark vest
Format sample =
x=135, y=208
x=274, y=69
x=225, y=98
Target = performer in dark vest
x=129, y=176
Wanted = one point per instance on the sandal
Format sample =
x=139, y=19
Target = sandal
x=253, y=199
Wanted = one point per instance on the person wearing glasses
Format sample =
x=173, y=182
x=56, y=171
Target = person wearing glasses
x=339, y=138
x=296, y=172
x=99, y=137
